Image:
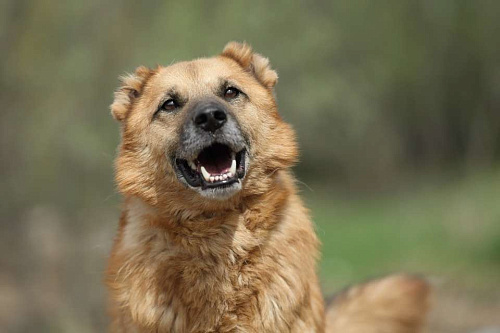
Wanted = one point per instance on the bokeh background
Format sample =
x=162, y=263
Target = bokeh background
x=396, y=105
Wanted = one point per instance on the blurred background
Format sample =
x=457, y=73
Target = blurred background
x=396, y=105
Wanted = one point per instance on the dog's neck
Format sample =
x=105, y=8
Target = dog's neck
x=163, y=265
x=195, y=230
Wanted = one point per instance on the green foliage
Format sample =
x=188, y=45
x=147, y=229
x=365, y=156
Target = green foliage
x=444, y=230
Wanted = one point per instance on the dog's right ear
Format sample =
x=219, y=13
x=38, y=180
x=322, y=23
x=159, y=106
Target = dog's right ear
x=252, y=62
x=131, y=88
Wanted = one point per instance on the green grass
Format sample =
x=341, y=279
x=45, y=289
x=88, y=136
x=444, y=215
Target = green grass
x=449, y=231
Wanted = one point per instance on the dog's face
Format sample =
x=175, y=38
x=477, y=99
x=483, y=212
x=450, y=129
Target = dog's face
x=207, y=127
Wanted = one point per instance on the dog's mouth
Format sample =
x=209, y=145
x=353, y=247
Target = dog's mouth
x=216, y=166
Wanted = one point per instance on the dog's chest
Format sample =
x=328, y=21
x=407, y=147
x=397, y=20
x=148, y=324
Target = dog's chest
x=233, y=280
x=213, y=290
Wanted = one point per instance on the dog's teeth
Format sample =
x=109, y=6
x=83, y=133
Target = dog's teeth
x=232, y=170
x=212, y=178
x=217, y=178
x=229, y=175
x=224, y=176
x=192, y=165
x=205, y=173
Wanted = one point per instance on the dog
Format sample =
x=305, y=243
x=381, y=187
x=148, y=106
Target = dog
x=213, y=236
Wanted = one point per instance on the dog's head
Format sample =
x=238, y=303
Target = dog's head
x=204, y=129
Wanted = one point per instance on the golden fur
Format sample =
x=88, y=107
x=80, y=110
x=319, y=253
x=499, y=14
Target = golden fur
x=185, y=263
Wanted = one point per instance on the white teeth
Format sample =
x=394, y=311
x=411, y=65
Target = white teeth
x=205, y=173
x=232, y=170
x=192, y=165
x=215, y=178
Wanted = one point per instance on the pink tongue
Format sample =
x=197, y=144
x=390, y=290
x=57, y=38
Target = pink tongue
x=218, y=166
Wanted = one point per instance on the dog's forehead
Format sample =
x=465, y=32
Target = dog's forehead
x=200, y=73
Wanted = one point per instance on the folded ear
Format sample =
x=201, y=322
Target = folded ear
x=131, y=88
x=254, y=63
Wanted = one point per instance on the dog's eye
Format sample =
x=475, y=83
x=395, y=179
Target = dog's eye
x=231, y=93
x=169, y=105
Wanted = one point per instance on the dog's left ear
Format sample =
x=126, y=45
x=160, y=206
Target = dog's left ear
x=130, y=89
x=254, y=63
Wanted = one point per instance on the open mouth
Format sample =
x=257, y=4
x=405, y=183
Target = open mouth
x=216, y=166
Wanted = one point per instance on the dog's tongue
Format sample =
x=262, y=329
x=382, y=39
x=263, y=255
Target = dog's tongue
x=216, y=159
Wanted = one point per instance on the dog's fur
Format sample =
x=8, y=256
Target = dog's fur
x=241, y=259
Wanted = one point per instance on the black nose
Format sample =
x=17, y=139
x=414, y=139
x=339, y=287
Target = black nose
x=210, y=118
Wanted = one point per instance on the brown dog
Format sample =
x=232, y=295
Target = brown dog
x=213, y=237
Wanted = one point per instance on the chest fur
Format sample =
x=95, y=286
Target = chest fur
x=235, y=281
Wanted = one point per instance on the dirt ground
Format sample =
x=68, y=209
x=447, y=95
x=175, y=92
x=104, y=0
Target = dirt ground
x=460, y=312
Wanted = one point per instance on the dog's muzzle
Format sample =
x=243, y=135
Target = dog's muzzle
x=213, y=153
